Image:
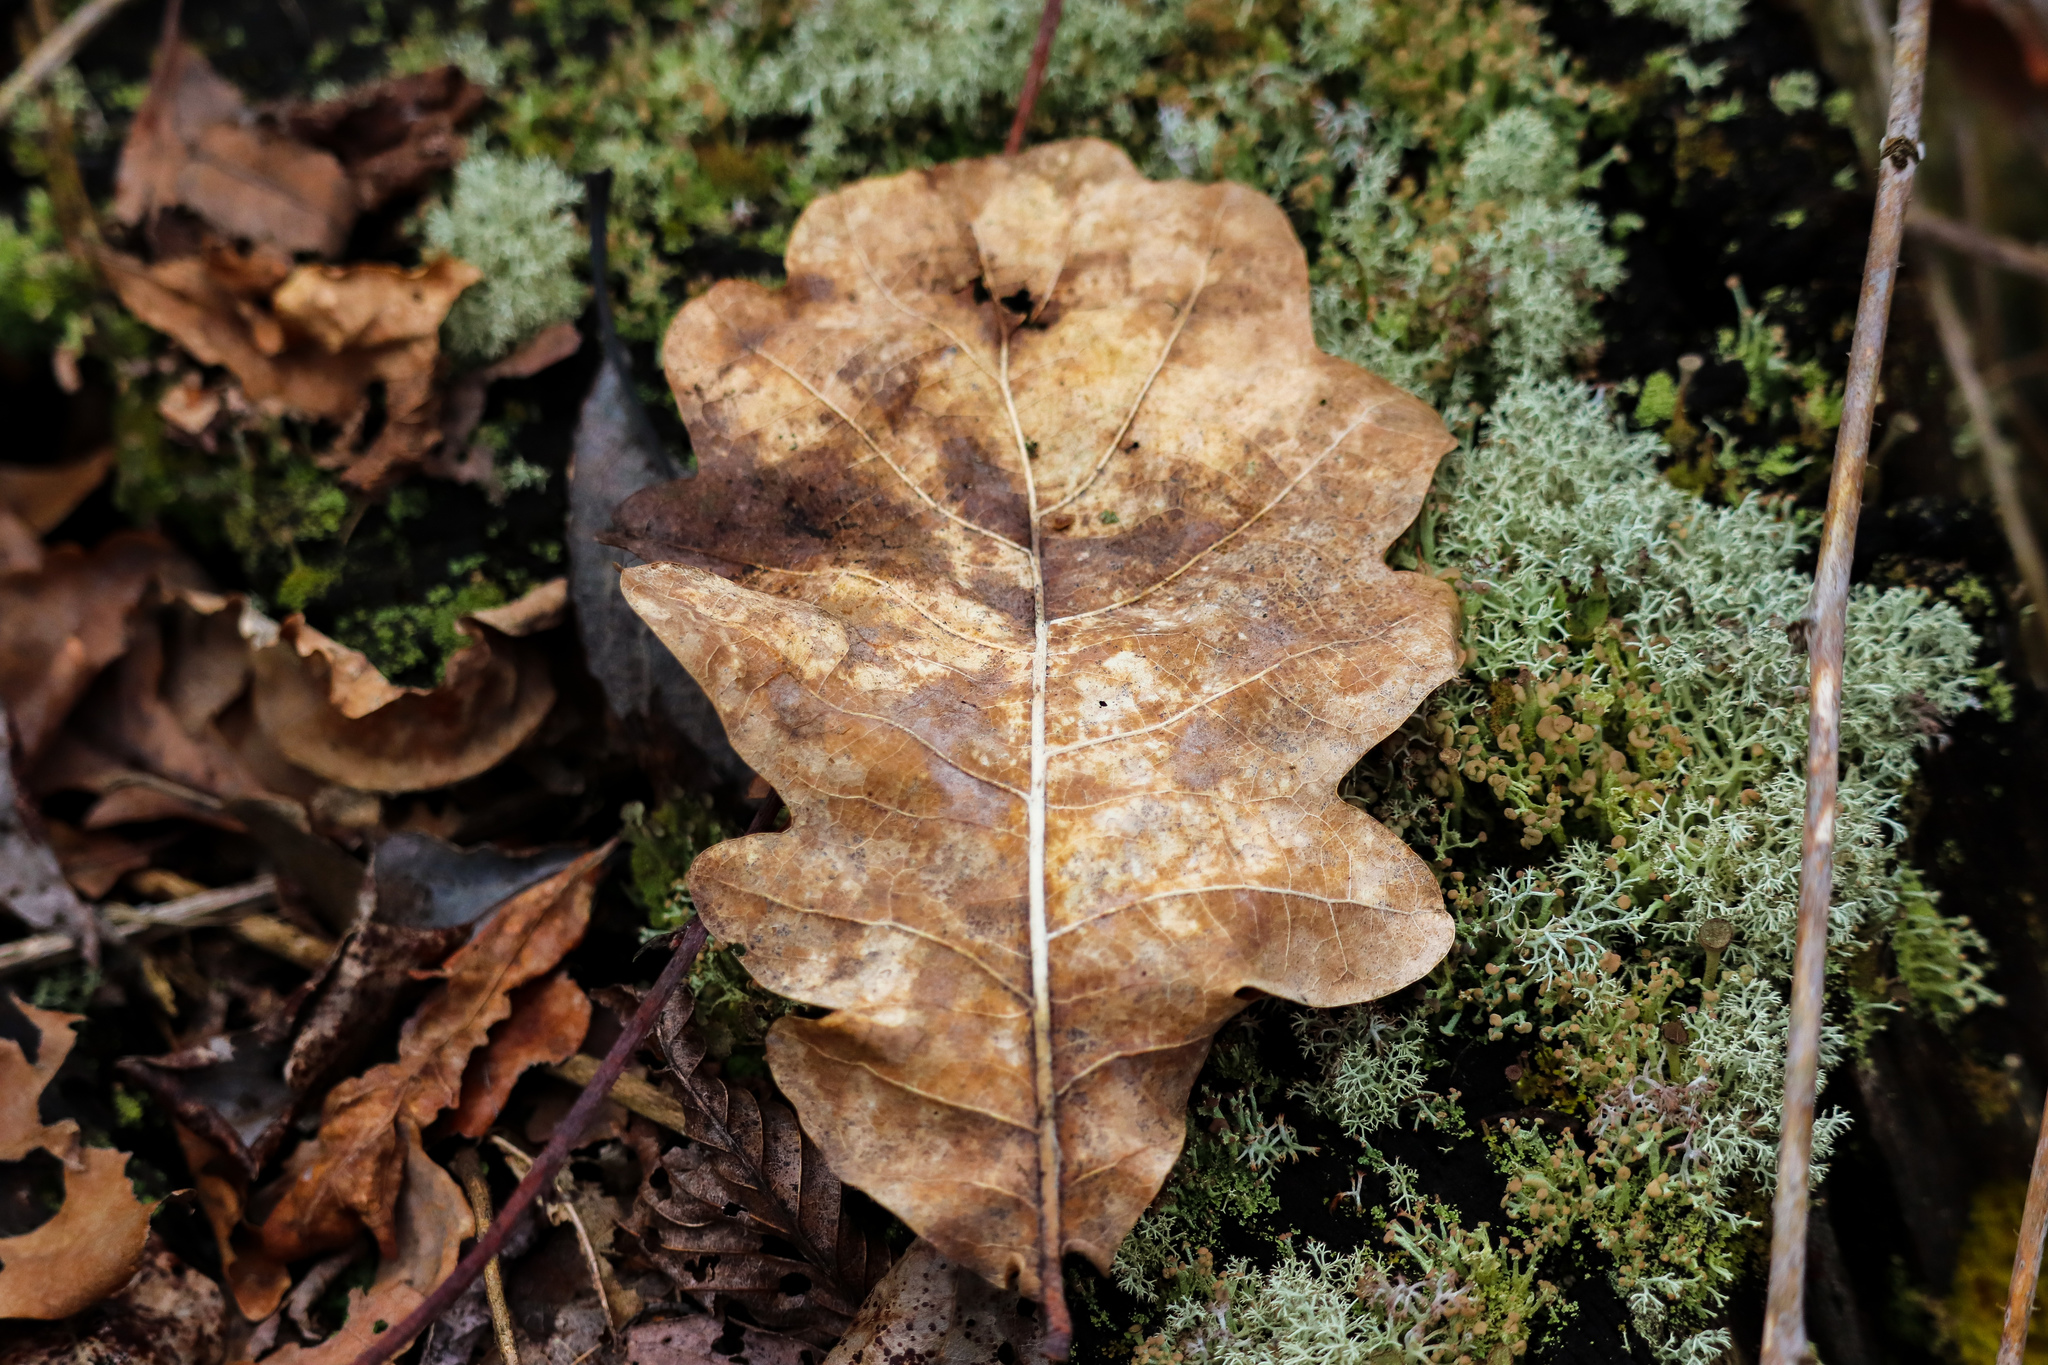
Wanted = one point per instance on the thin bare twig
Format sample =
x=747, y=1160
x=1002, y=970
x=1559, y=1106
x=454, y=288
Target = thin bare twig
x=2026, y=1257
x=2001, y=461
x=2021, y=258
x=568, y=1132
x=1034, y=74
x=54, y=51
x=125, y=924
x=1785, y=1311
x=469, y=1169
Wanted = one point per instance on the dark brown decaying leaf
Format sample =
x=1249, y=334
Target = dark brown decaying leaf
x=168, y=1314
x=61, y=625
x=753, y=1156
x=393, y=135
x=927, y=1308
x=196, y=144
x=1036, y=557
x=703, y=1340
x=94, y=1241
x=328, y=710
x=616, y=454
x=347, y=1177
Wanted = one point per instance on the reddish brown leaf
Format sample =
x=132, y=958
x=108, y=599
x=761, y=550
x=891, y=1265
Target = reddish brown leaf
x=328, y=710
x=93, y=1243
x=43, y=495
x=1036, y=557
x=547, y=1024
x=347, y=1176
x=93, y=860
x=256, y=1281
x=196, y=144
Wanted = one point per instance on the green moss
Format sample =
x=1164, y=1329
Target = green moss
x=44, y=290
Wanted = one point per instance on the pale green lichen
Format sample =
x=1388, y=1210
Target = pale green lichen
x=510, y=217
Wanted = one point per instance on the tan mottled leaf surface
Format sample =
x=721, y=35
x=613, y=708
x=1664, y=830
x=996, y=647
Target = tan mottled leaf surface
x=1036, y=557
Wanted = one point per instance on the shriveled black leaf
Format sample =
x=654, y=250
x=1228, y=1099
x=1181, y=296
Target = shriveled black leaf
x=751, y=1213
x=617, y=453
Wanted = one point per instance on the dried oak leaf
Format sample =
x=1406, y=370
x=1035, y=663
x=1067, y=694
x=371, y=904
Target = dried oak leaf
x=1035, y=557
x=347, y=1176
x=196, y=144
x=327, y=709
x=168, y=1314
x=94, y=1241
x=752, y=1189
x=429, y=1222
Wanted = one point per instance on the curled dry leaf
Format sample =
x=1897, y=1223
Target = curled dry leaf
x=327, y=709
x=94, y=1241
x=347, y=1177
x=35, y=499
x=311, y=340
x=1035, y=558
x=196, y=144
x=256, y=1280
x=548, y=1020
x=393, y=135
x=168, y=1314
x=728, y=1211
x=430, y=1221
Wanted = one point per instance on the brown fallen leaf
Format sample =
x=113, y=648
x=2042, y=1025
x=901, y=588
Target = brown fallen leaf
x=1035, y=557
x=43, y=495
x=430, y=1221
x=928, y=1309
x=751, y=1188
x=311, y=340
x=256, y=1281
x=703, y=1340
x=327, y=709
x=168, y=1314
x=196, y=144
x=94, y=1241
x=347, y=1176
x=64, y=623
x=548, y=1020
x=94, y=860
x=393, y=135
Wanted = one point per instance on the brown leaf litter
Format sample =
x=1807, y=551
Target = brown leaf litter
x=1035, y=556
x=94, y=1242
x=347, y=1178
x=166, y=1314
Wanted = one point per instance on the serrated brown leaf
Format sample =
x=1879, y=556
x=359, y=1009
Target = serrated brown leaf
x=752, y=1181
x=93, y=1243
x=1036, y=557
x=347, y=1176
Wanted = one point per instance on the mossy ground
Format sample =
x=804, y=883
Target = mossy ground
x=1605, y=246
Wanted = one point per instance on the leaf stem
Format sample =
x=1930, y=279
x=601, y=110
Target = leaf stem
x=568, y=1131
x=1784, y=1340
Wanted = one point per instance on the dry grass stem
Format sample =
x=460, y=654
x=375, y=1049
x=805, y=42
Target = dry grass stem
x=470, y=1171
x=2019, y=257
x=54, y=50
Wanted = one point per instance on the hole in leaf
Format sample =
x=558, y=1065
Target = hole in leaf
x=795, y=1284
x=31, y=1192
